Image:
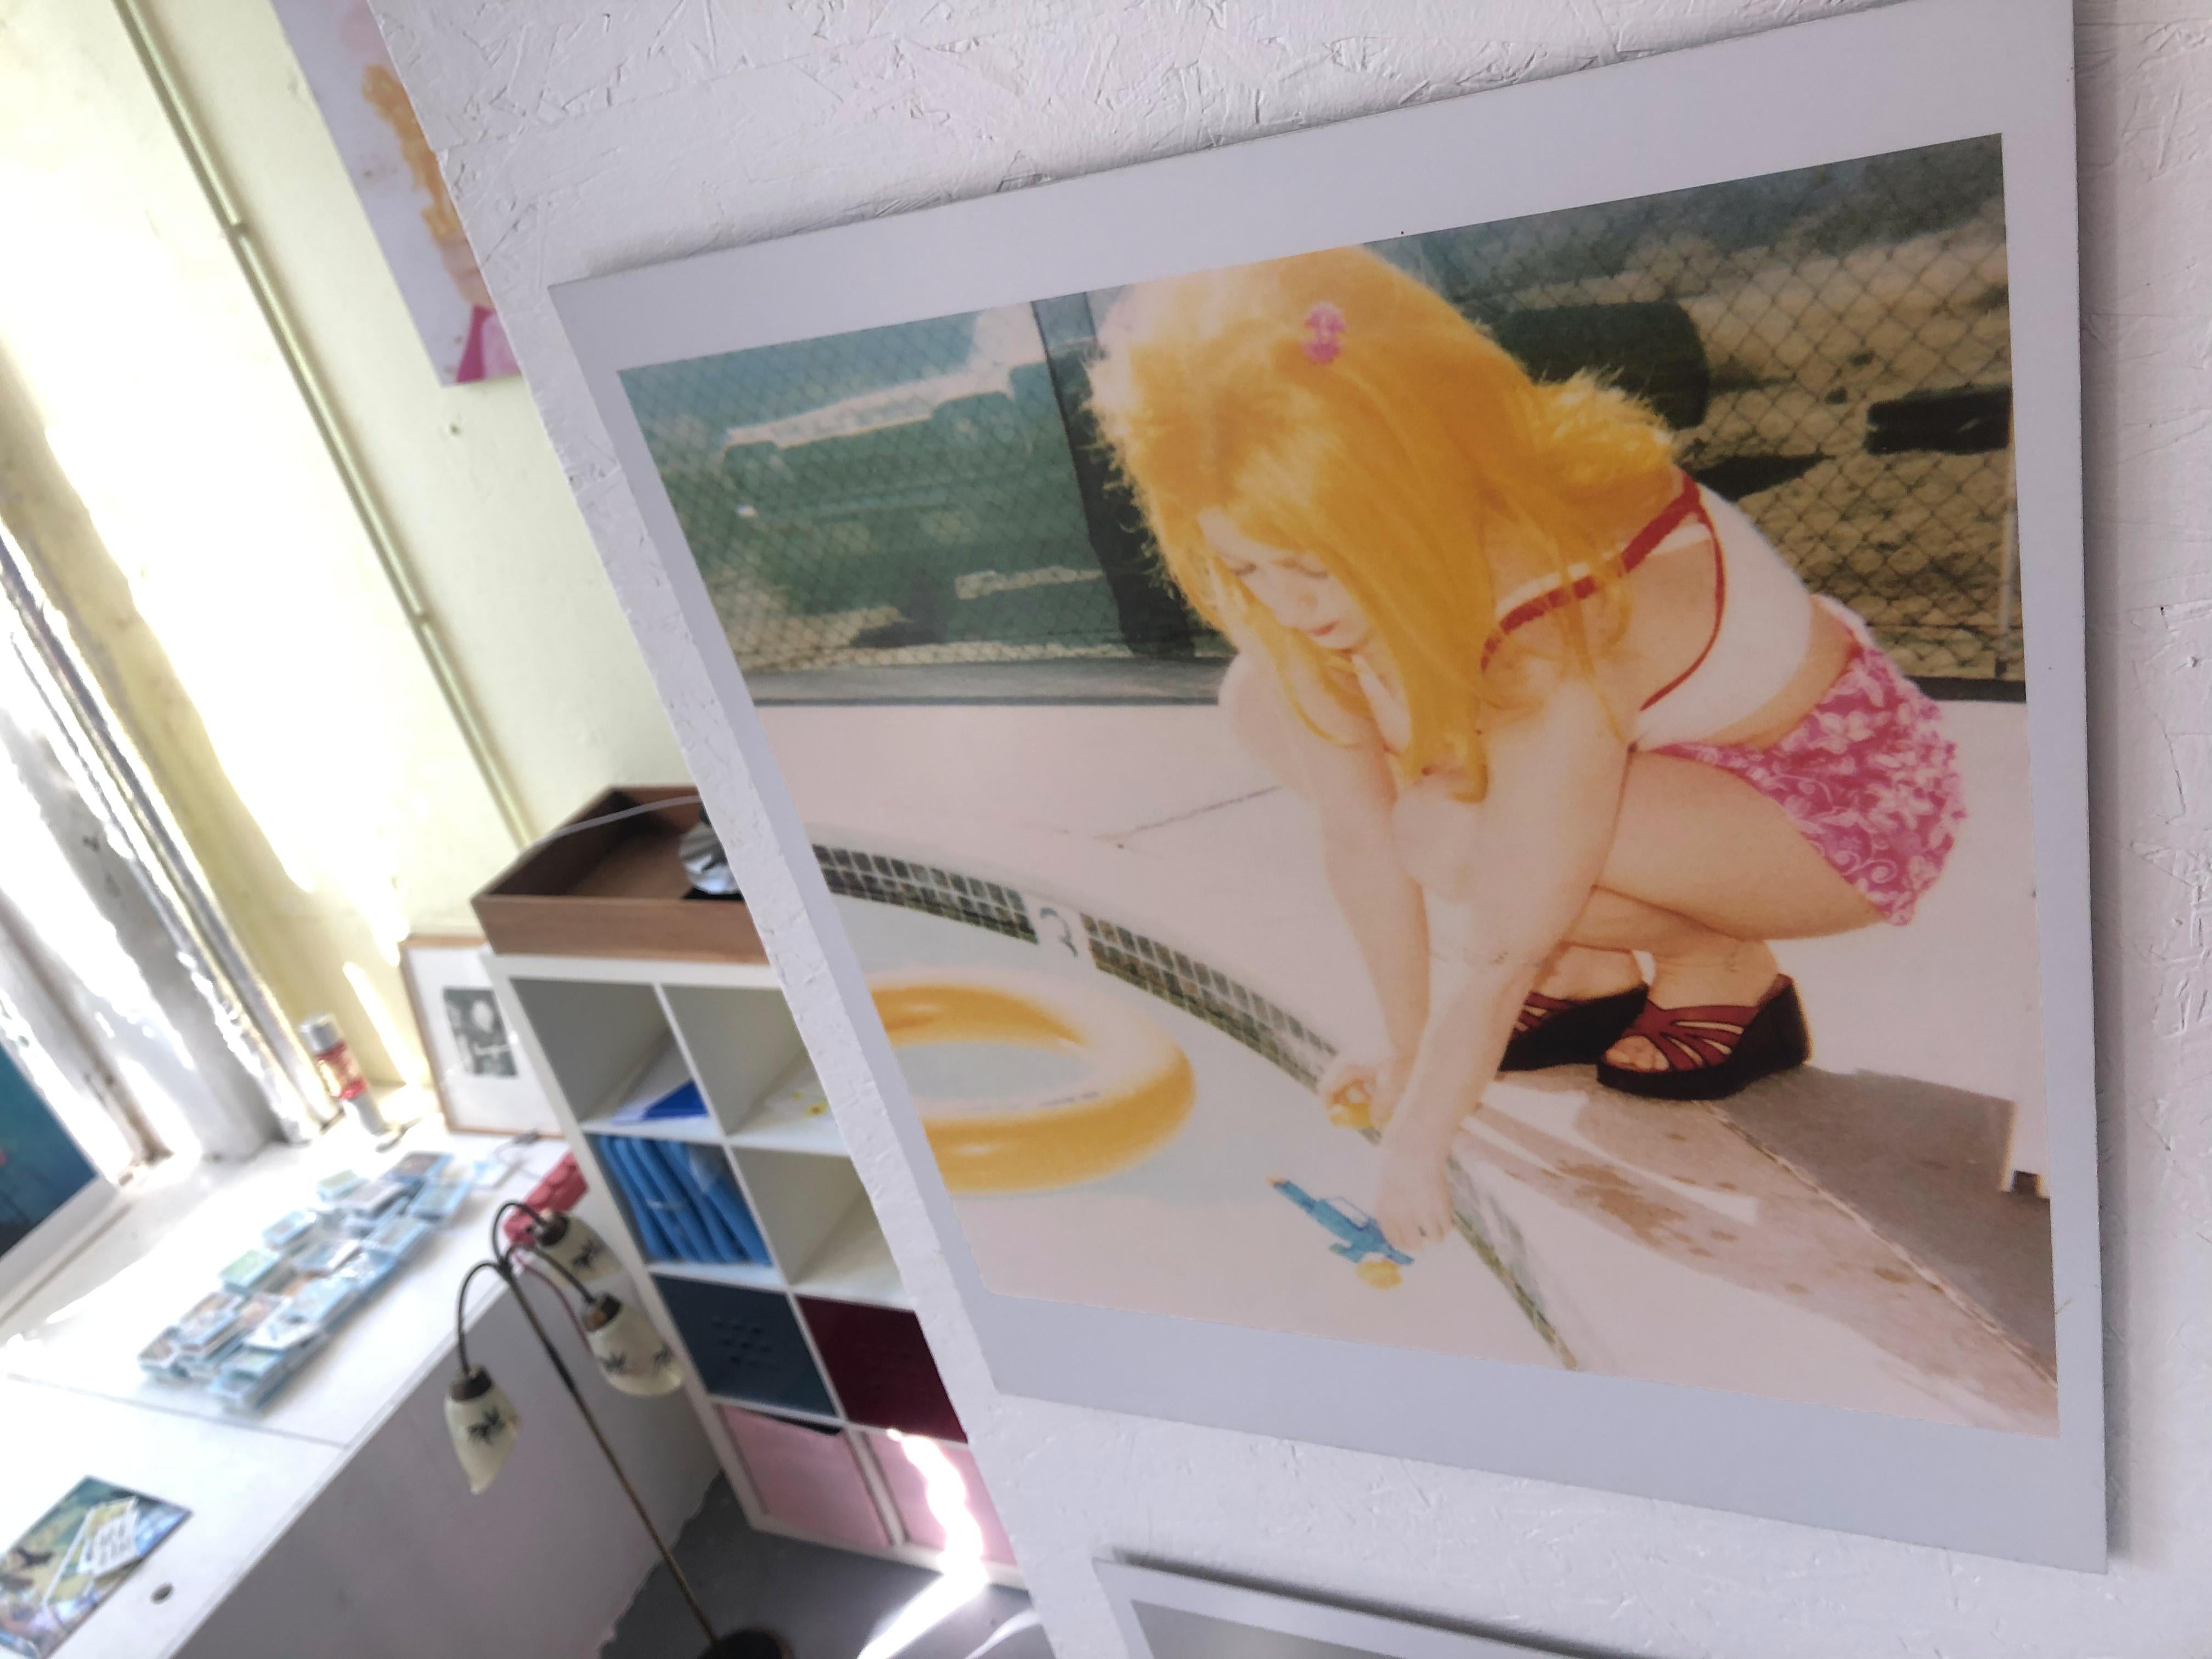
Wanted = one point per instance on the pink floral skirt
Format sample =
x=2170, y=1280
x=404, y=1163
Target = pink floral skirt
x=1867, y=776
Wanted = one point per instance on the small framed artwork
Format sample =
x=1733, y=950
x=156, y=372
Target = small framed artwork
x=483, y=1079
x=1169, y=1615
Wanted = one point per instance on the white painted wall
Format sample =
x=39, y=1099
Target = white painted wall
x=580, y=139
x=505, y=564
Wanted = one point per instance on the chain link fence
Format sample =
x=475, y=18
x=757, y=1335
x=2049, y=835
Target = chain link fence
x=1830, y=345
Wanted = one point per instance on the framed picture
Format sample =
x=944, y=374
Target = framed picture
x=482, y=1075
x=1450, y=749
x=1173, y=1615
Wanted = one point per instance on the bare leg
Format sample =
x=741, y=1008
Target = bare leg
x=1703, y=872
x=1583, y=973
x=1703, y=844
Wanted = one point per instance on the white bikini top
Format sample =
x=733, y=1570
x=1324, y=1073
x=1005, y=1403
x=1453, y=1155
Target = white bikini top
x=1762, y=619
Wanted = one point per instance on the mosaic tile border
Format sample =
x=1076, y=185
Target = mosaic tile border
x=915, y=886
x=1206, y=993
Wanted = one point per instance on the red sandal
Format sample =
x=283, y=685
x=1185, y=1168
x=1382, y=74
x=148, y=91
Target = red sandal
x=1552, y=1031
x=1715, y=1050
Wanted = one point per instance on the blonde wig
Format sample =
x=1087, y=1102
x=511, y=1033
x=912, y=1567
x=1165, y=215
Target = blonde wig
x=1331, y=404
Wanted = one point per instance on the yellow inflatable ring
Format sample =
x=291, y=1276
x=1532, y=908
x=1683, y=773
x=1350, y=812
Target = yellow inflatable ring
x=1135, y=1092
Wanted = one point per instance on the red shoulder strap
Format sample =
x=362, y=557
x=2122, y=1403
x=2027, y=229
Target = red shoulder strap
x=1639, y=548
x=1720, y=607
x=1640, y=545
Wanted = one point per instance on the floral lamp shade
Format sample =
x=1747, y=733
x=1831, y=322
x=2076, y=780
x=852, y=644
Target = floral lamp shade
x=564, y=1239
x=484, y=1423
x=633, y=1356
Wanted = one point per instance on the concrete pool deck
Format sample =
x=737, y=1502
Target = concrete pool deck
x=1842, y=1235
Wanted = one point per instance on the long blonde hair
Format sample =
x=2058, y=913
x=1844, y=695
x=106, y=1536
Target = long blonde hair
x=1333, y=405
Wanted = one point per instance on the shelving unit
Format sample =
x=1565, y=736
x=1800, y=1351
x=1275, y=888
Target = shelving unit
x=808, y=1370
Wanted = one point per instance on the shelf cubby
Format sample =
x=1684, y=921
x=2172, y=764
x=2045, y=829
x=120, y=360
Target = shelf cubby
x=597, y=1039
x=907, y=1482
x=801, y=1202
x=746, y=1344
x=685, y=1206
x=740, y=1046
x=808, y=1476
x=853, y=1263
x=793, y=1115
x=880, y=1365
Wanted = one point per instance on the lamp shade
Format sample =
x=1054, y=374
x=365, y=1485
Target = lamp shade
x=483, y=1423
x=634, y=1357
x=564, y=1239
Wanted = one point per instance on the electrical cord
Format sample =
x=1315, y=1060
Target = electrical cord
x=614, y=818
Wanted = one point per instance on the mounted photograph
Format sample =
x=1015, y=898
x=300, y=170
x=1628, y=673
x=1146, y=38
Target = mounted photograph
x=1569, y=667
x=1468, y=793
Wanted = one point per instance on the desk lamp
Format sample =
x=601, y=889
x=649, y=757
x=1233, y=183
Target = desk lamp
x=633, y=1357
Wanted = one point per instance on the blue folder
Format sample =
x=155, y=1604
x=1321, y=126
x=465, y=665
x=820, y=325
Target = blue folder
x=724, y=1198
x=684, y=1181
x=702, y=1172
x=651, y=1237
x=672, y=1203
x=645, y=1183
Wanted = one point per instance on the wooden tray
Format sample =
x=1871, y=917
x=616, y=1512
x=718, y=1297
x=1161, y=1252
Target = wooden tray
x=615, y=890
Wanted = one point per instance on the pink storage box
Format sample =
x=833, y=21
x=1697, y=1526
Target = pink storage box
x=909, y=1492
x=808, y=1480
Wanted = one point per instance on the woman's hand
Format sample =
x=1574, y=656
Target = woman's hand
x=1361, y=1094
x=1412, y=1201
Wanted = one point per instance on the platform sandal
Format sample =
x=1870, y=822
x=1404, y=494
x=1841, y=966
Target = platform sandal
x=1554, y=1031
x=1714, y=1050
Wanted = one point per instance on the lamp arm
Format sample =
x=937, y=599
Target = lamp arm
x=460, y=1311
x=506, y=1271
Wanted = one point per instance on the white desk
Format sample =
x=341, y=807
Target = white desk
x=83, y=1328
x=335, y=1522
x=243, y=1488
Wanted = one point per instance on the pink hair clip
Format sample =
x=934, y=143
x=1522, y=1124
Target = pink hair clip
x=1324, y=333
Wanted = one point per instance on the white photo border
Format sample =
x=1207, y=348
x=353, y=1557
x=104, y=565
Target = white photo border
x=1128, y=1585
x=1898, y=77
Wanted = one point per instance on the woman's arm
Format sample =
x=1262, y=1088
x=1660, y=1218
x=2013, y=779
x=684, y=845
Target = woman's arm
x=1522, y=862
x=1348, y=783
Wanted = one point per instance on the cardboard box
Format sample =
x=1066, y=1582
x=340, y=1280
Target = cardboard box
x=615, y=890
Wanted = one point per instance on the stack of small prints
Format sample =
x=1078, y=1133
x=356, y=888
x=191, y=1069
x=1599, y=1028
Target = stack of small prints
x=275, y=1305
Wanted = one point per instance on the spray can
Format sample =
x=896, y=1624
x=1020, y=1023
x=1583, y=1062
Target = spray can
x=340, y=1072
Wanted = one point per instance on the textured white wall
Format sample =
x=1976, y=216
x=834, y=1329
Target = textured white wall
x=582, y=138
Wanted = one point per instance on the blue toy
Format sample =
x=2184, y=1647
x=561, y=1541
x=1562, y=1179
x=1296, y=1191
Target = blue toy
x=1361, y=1236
